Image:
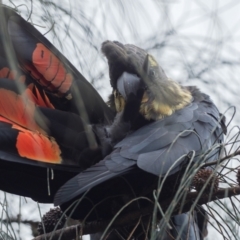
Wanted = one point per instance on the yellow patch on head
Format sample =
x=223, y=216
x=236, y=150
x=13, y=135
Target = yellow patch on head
x=145, y=97
x=162, y=108
x=152, y=61
x=119, y=101
x=155, y=110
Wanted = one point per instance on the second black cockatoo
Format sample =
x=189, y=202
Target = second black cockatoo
x=159, y=125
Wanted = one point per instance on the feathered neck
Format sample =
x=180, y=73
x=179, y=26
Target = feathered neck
x=166, y=99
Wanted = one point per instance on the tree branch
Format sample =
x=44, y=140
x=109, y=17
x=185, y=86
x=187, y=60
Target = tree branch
x=133, y=217
x=222, y=159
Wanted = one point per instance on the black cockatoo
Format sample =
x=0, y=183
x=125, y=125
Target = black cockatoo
x=47, y=109
x=158, y=124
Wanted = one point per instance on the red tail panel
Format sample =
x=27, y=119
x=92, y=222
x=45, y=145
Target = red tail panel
x=36, y=97
x=18, y=110
x=51, y=68
x=5, y=72
x=34, y=145
x=38, y=147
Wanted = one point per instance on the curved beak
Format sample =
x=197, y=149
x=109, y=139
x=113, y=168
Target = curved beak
x=128, y=83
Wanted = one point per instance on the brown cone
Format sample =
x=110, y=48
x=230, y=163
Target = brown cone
x=201, y=178
x=50, y=220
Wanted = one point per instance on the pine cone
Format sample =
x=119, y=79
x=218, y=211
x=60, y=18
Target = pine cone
x=238, y=177
x=50, y=220
x=200, y=179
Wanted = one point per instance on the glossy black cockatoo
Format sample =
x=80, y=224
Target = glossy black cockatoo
x=161, y=128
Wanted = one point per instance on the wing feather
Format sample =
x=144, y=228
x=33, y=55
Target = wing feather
x=156, y=147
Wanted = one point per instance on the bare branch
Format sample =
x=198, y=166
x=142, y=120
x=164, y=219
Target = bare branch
x=222, y=159
x=132, y=218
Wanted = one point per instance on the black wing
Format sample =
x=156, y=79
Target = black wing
x=157, y=148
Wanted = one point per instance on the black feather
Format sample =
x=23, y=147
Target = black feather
x=156, y=147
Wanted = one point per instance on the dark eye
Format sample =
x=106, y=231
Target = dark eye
x=152, y=73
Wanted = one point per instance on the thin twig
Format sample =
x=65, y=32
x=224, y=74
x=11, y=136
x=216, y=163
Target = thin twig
x=222, y=159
